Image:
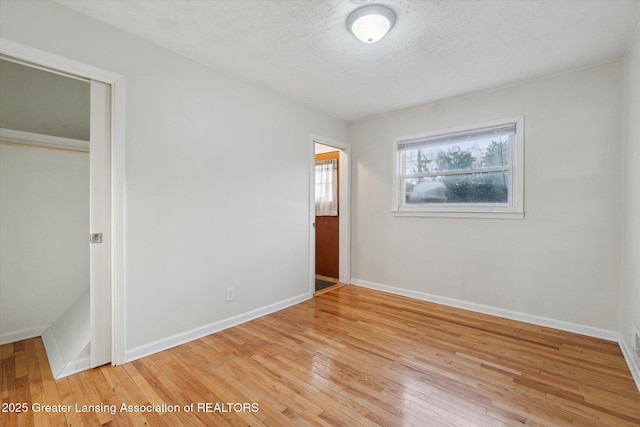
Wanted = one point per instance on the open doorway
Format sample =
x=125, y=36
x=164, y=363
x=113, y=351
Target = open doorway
x=327, y=216
x=330, y=212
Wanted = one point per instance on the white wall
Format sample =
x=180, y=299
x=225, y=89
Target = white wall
x=44, y=228
x=217, y=177
x=562, y=262
x=630, y=307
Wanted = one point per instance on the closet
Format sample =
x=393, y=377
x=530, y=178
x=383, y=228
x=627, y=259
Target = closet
x=54, y=158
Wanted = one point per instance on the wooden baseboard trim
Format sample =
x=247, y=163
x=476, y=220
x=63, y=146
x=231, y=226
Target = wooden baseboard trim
x=194, y=334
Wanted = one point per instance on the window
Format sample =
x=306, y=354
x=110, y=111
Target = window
x=473, y=171
x=327, y=184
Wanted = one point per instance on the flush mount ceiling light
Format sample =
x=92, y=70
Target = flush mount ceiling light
x=370, y=23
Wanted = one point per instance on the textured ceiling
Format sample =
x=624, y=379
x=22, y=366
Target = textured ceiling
x=437, y=49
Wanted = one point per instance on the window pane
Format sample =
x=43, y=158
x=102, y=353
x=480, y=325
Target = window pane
x=425, y=190
x=476, y=188
x=490, y=151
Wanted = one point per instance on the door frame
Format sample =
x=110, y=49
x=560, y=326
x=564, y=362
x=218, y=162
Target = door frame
x=344, y=251
x=56, y=63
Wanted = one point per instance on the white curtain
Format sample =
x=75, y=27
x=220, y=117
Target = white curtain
x=327, y=187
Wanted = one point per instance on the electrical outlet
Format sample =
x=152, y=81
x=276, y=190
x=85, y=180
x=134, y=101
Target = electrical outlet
x=231, y=294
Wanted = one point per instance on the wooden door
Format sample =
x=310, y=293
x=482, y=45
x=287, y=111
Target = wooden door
x=327, y=233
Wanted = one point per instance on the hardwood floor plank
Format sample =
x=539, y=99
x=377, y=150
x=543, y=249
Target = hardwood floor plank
x=8, y=373
x=49, y=387
x=20, y=363
x=351, y=356
x=108, y=394
x=147, y=389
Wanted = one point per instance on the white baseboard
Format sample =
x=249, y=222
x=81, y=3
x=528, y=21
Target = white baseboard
x=194, y=334
x=23, y=334
x=75, y=367
x=628, y=356
x=56, y=360
x=508, y=314
x=60, y=368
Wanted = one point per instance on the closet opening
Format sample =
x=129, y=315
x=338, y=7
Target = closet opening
x=55, y=193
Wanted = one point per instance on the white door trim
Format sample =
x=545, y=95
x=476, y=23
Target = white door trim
x=54, y=63
x=344, y=266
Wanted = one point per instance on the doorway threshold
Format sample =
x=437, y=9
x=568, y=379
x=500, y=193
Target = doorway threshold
x=326, y=284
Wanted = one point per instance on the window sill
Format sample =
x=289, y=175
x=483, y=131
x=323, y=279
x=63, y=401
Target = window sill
x=458, y=214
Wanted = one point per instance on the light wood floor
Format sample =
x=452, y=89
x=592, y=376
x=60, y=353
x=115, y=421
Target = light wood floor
x=352, y=357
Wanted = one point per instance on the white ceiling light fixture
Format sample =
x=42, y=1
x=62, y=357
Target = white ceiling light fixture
x=370, y=23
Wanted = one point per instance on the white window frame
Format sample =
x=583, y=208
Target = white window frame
x=514, y=209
